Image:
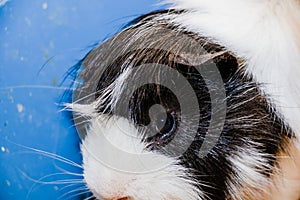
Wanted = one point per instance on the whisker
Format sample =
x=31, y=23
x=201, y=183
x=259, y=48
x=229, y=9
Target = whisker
x=80, y=123
x=105, y=96
x=59, y=182
x=75, y=195
x=66, y=172
x=67, y=186
x=84, y=188
x=36, y=87
x=49, y=176
x=89, y=198
x=51, y=155
x=55, y=157
x=82, y=98
x=78, y=117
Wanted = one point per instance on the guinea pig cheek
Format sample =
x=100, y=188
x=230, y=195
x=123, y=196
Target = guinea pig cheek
x=117, y=165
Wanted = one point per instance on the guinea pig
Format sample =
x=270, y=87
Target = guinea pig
x=195, y=102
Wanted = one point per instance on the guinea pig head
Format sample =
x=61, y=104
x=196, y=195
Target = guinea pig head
x=165, y=113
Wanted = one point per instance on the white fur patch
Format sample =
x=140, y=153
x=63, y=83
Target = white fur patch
x=248, y=165
x=263, y=33
x=116, y=163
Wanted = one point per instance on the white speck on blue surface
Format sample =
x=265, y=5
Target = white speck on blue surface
x=45, y=6
x=7, y=182
x=3, y=149
x=20, y=107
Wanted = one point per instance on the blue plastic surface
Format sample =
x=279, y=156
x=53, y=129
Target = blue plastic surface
x=39, y=42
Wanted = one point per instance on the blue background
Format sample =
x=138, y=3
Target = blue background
x=39, y=42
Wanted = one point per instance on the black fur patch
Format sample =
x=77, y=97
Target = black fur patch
x=152, y=40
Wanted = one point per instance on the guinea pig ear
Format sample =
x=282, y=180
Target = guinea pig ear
x=226, y=62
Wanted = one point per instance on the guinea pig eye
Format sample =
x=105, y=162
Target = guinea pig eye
x=156, y=108
x=165, y=125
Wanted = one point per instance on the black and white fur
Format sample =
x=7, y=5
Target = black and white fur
x=255, y=45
